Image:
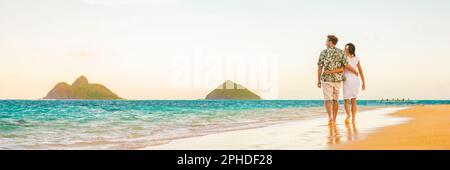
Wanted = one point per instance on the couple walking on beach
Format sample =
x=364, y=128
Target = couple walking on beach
x=339, y=68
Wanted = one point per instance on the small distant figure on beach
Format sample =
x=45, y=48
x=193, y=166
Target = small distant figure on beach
x=395, y=100
x=339, y=69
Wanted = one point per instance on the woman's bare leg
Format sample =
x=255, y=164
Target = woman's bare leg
x=347, y=110
x=354, y=109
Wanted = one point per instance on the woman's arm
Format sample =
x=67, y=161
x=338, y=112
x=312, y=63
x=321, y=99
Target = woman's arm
x=362, y=76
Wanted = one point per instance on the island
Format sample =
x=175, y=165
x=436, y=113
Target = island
x=81, y=89
x=231, y=91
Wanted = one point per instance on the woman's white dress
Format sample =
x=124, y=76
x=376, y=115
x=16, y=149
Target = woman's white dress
x=351, y=83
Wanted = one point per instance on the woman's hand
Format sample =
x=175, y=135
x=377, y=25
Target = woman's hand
x=364, y=86
x=328, y=72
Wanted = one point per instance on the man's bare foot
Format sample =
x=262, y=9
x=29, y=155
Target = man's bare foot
x=347, y=120
x=330, y=122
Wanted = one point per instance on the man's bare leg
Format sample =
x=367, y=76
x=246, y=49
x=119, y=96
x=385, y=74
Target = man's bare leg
x=328, y=108
x=335, y=110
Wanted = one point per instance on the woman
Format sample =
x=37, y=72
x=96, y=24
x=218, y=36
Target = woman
x=351, y=83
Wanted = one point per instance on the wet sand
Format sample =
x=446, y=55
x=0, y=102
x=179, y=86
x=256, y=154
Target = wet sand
x=302, y=134
x=429, y=128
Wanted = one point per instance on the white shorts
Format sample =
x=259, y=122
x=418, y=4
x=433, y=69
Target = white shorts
x=331, y=90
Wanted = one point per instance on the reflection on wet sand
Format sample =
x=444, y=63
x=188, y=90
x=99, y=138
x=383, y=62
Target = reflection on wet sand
x=334, y=135
x=352, y=132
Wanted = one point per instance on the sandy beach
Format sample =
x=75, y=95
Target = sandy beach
x=417, y=127
x=429, y=129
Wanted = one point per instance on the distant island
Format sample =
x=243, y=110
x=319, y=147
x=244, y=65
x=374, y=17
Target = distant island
x=231, y=91
x=81, y=89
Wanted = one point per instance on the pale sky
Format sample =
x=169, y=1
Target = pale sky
x=129, y=45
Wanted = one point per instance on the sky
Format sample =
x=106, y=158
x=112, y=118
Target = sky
x=153, y=49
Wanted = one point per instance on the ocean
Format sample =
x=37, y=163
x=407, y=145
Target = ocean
x=134, y=124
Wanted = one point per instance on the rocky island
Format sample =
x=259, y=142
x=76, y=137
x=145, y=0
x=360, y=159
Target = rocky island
x=81, y=89
x=231, y=91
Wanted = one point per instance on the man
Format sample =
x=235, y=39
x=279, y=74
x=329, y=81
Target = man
x=331, y=58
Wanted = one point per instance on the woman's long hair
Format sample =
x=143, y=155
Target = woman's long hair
x=351, y=48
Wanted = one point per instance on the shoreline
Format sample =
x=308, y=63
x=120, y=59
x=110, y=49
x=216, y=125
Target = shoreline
x=428, y=129
x=296, y=134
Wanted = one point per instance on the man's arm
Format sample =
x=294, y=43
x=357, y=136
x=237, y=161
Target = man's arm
x=350, y=68
x=320, y=65
x=319, y=74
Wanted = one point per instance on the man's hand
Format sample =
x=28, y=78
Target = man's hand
x=319, y=75
x=351, y=69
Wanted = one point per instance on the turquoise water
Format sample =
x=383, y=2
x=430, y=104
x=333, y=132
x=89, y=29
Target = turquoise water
x=128, y=124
